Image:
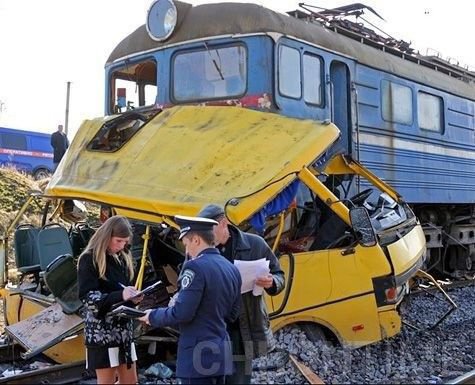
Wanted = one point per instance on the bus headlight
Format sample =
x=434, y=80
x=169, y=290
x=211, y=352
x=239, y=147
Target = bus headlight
x=161, y=19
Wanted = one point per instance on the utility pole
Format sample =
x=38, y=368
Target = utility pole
x=66, y=119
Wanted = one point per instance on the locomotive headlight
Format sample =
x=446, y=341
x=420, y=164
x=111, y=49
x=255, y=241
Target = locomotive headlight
x=161, y=19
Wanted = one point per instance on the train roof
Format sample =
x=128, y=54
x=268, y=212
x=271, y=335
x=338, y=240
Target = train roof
x=221, y=19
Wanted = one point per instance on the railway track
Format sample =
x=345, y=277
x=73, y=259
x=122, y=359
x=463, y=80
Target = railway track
x=467, y=378
x=447, y=285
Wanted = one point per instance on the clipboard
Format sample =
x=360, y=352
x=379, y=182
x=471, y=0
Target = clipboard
x=148, y=290
x=127, y=312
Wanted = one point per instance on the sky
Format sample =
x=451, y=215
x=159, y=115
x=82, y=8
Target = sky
x=45, y=44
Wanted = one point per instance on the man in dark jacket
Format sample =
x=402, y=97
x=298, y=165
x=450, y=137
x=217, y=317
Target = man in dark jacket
x=208, y=299
x=60, y=143
x=251, y=335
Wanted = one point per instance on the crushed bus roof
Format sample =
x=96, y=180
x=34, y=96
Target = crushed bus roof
x=188, y=156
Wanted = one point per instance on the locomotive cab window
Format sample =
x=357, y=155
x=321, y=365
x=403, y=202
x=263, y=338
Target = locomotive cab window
x=133, y=86
x=430, y=112
x=300, y=74
x=396, y=103
x=289, y=72
x=312, y=79
x=209, y=73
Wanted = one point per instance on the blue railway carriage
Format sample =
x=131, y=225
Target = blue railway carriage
x=409, y=118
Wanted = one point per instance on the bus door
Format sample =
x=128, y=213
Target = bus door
x=340, y=96
x=307, y=283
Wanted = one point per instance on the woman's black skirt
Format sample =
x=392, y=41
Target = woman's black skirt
x=103, y=357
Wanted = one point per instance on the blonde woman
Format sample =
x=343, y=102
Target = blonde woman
x=105, y=272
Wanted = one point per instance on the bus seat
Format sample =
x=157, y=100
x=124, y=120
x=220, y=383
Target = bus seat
x=79, y=236
x=26, y=251
x=53, y=241
x=61, y=279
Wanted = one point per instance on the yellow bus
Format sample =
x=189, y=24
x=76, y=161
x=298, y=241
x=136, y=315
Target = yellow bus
x=346, y=270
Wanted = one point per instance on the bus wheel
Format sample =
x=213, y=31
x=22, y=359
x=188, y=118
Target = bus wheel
x=41, y=173
x=315, y=333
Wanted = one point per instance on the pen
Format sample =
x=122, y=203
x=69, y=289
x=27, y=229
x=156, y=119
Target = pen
x=122, y=285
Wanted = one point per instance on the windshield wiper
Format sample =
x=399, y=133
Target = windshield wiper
x=214, y=61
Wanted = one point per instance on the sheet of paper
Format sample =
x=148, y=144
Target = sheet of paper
x=249, y=271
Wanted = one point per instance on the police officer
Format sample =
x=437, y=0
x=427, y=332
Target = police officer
x=208, y=299
x=251, y=335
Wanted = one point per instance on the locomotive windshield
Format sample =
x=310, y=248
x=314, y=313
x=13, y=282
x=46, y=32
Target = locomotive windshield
x=209, y=73
x=133, y=85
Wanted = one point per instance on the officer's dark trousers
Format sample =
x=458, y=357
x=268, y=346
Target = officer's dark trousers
x=242, y=366
x=202, y=380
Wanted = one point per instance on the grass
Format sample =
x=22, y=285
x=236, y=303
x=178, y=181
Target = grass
x=15, y=187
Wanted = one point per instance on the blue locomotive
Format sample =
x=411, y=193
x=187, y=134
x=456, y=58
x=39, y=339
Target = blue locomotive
x=409, y=118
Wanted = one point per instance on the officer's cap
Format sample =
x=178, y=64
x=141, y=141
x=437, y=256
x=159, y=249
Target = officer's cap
x=211, y=211
x=193, y=224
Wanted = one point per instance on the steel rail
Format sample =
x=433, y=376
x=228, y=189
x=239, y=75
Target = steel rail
x=467, y=378
x=460, y=283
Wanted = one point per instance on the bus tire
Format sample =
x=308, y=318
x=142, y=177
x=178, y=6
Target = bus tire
x=41, y=173
x=315, y=333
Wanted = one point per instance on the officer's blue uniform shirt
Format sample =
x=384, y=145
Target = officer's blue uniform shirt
x=209, y=297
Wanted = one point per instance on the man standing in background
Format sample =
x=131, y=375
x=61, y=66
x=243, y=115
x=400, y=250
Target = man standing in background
x=60, y=143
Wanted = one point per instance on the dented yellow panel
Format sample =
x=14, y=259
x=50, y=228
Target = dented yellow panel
x=188, y=156
x=365, y=327
x=407, y=251
x=390, y=322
